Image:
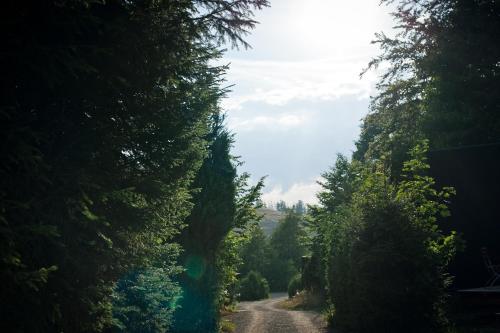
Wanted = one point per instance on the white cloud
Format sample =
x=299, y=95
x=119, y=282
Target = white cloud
x=278, y=83
x=307, y=50
x=297, y=97
x=299, y=191
x=272, y=122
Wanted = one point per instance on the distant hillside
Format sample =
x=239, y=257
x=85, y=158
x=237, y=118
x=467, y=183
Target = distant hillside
x=270, y=220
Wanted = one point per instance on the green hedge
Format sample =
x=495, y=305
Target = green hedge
x=253, y=287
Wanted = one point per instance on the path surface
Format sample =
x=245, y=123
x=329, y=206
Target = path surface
x=264, y=316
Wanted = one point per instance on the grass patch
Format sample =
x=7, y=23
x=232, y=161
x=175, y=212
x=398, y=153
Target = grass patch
x=227, y=311
x=227, y=326
x=303, y=301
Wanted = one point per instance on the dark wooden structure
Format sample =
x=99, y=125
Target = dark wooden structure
x=474, y=172
x=477, y=308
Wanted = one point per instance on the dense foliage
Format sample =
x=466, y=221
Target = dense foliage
x=387, y=258
x=287, y=249
x=120, y=205
x=377, y=249
x=255, y=252
x=253, y=287
x=105, y=114
x=144, y=301
x=222, y=204
x=441, y=82
x=210, y=220
x=279, y=257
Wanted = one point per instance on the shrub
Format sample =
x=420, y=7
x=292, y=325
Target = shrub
x=388, y=258
x=144, y=301
x=253, y=287
x=313, y=272
x=279, y=273
x=295, y=285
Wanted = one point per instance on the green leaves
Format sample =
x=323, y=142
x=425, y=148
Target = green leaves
x=253, y=287
x=379, y=226
x=436, y=87
x=145, y=300
x=381, y=245
x=417, y=190
x=247, y=201
x=105, y=115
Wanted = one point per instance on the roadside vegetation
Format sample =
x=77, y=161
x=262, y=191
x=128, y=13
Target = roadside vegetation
x=121, y=205
x=120, y=201
x=379, y=256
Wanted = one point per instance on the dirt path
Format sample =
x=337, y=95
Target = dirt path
x=264, y=316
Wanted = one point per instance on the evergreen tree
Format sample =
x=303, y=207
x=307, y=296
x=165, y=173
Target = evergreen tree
x=287, y=248
x=441, y=82
x=299, y=207
x=222, y=202
x=229, y=254
x=104, y=116
x=255, y=253
x=462, y=103
x=210, y=221
x=281, y=206
x=144, y=301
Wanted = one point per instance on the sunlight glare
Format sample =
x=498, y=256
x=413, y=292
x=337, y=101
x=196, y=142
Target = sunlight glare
x=333, y=25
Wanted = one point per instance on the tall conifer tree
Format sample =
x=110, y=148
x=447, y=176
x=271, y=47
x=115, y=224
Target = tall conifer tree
x=105, y=108
x=211, y=219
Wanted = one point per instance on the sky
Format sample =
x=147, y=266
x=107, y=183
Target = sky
x=297, y=98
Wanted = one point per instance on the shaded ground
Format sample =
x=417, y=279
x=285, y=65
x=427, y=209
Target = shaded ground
x=264, y=316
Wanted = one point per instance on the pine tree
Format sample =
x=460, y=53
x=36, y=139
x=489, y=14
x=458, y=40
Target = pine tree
x=104, y=116
x=441, y=82
x=287, y=248
x=211, y=219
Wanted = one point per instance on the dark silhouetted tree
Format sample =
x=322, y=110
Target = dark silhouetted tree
x=105, y=111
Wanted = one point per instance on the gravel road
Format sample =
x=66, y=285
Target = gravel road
x=264, y=316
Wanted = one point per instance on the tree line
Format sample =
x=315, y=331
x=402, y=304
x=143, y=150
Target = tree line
x=121, y=209
x=379, y=255
x=118, y=190
x=278, y=258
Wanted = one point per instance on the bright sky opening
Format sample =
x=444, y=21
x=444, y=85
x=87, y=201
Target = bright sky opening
x=298, y=98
